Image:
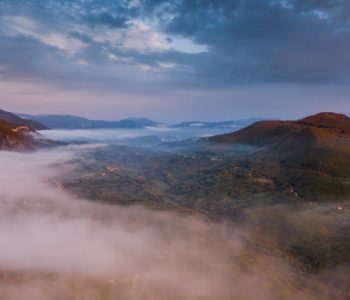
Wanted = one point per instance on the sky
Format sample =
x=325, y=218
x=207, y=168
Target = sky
x=175, y=60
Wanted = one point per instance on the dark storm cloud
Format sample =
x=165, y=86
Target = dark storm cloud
x=297, y=41
x=23, y=55
x=245, y=41
x=107, y=19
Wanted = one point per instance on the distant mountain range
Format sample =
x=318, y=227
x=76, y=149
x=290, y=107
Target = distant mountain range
x=199, y=124
x=74, y=122
x=222, y=124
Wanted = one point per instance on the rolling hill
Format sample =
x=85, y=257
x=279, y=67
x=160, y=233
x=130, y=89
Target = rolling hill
x=322, y=134
x=312, y=154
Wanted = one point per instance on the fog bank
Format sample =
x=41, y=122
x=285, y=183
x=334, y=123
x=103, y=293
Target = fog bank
x=56, y=246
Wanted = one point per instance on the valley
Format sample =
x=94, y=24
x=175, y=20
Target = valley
x=236, y=184
x=280, y=194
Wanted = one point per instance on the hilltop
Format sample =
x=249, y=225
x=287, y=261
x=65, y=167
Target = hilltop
x=311, y=154
x=322, y=134
x=263, y=133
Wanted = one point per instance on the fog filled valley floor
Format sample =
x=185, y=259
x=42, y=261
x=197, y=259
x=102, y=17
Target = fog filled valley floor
x=119, y=222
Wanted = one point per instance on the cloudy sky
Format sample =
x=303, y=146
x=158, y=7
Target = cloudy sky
x=175, y=60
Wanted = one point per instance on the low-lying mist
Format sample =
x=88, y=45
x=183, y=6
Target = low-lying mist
x=56, y=246
x=149, y=135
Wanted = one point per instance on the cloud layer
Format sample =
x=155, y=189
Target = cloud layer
x=230, y=42
x=155, y=48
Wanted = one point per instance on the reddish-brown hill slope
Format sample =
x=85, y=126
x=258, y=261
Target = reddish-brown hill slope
x=17, y=137
x=14, y=119
x=319, y=142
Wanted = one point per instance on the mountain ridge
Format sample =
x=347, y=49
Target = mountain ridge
x=271, y=133
x=67, y=121
x=76, y=122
